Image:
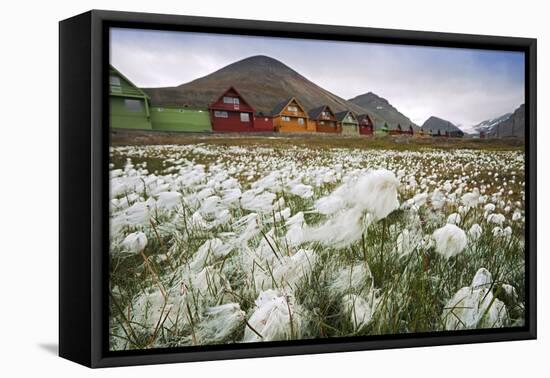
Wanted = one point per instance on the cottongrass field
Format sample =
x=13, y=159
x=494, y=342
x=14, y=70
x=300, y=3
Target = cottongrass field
x=215, y=244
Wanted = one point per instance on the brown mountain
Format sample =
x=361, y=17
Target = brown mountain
x=383, y=111
x=263, y=81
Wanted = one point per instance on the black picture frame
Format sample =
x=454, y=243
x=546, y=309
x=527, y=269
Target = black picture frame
x=83, y=194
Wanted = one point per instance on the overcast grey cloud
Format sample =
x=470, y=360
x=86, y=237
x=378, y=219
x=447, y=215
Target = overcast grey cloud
x=464, y=86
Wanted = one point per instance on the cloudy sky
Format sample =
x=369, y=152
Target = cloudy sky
x=464, y=86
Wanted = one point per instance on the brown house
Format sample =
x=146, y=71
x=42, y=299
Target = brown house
x=290, y=117
x=325, y=120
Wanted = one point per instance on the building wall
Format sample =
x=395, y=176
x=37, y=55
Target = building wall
x=291, y=126
x=366, y=130
x=349, y=128
x=329, y=127
x=263, y=124
x=232, y=123
x=180, y=119
x=123, y=116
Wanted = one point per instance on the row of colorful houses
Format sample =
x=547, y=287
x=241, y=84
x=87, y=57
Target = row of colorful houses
x=130, y=108
x=231, y=112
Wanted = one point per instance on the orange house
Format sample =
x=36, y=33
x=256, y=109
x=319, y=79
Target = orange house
x=325, y=120
x=290, y=117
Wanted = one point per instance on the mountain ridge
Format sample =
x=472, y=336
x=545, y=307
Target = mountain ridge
x=262, y=81
x=383, y=111
x=435, y=124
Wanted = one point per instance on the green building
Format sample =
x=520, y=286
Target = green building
x=131, y=109
x=129, y=105
x=383, y=131
x=167, y=118
x=349, y=123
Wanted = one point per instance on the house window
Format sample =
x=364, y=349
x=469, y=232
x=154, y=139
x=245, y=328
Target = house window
x=245, y=117
x=220, y=114
x=133, y=105
x=115, y=84
x=300, y=121
x=293, y=109
x=286, y=119
x=115, y=80
x=230, y=100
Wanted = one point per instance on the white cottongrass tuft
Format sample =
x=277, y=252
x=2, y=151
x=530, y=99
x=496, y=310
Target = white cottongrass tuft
x=275, y=317
x=420, y=199
x=286, y=271
x=359, y=309
x=341, y=230
x=475, y=232
x=210, y=251
x=454, y=218
x=475, y=306
x=295, y=229
x=376, y=192
x=496, y=218
x=354, y=278
x=291, y=270
x=450, y=240
x=407, y=242
x=438, y=199
x=470, y=200
x=302, y=190
x=152, y=308
x=219, y=323
x=257, y=202
x=168, y=200
x=489, y=208
x=135, y=242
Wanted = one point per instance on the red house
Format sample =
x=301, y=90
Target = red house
x=325, y=120
x=231, y=113
x=263, y=122
x=366, y=124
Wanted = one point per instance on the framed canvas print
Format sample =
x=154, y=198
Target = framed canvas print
x=233, y=188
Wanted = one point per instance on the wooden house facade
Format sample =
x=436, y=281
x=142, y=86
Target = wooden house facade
x=366, y=124
x=129, y=105
x=348, y=122
x=231, y=113
x=290, y=116
x=325, y=120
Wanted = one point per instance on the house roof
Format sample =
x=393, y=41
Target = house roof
x=278, y=109
x=316, y=112
x=232, y=88
x=340, y=116
x=361, y=117
x=113, y=69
